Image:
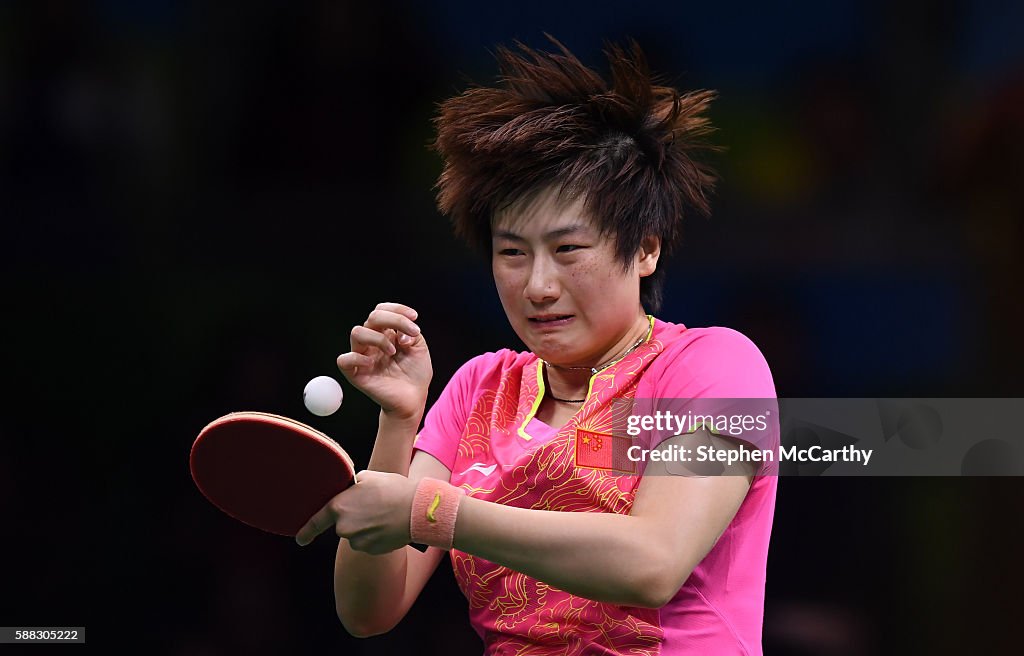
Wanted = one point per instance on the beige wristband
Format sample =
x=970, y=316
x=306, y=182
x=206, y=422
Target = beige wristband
x=435, y=506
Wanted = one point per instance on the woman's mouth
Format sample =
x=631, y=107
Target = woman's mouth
x=550, y=321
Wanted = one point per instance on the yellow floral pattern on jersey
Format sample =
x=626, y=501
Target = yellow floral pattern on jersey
x=515, y=613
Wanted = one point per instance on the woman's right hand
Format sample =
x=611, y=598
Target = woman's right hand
x=389, y=361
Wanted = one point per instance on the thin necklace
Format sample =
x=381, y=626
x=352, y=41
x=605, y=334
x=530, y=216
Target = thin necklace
x=593, y=370
x=555, y=398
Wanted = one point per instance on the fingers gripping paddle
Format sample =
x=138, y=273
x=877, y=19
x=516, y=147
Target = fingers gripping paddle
x=268, y=471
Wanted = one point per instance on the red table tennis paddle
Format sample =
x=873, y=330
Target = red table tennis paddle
x=268, y=471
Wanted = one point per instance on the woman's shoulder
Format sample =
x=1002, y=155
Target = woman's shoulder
x=678, y=338
x=490, y=366
x=713, y=353
x=500, y=359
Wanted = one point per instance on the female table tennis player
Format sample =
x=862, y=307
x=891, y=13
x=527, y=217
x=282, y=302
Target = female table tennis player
x=575, y=188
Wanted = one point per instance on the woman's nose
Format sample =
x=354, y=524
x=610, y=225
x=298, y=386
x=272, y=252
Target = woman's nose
x=543, y=282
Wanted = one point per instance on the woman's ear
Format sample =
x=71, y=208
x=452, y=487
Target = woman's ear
x=647, y=256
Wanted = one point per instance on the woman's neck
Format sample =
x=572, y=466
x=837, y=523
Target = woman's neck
x=572, y=382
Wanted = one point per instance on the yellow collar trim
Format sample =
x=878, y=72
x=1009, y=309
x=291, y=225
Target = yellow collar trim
x=541, y=390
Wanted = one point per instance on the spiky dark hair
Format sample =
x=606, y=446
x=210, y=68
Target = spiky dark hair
x=627, y=147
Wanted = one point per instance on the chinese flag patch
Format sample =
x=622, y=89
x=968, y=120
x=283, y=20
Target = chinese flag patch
x=603, y=451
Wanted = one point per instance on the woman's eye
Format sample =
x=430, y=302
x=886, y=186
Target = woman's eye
x=568, y=248
x=509, y=251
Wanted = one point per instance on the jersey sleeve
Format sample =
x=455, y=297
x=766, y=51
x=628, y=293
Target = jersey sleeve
x=446, y=420
x=722, y=363
x=719, y=381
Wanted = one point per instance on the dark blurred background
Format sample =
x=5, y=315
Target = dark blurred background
x=200, y=199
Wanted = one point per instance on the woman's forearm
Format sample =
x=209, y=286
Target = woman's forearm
x=392, y=450
x=601, y=556
x=367, y=588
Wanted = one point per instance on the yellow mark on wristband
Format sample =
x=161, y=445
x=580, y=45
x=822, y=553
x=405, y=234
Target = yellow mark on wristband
x=433, y=506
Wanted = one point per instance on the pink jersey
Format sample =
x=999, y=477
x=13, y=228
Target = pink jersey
x=484, y=430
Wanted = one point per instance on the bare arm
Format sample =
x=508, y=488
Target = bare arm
x=389, y=362
x=373, y=593
x=640, y=559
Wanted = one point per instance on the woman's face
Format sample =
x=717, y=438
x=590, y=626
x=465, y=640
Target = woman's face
x=564, y=293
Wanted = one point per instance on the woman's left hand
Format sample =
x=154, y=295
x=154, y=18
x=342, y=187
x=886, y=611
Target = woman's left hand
x=373, y=514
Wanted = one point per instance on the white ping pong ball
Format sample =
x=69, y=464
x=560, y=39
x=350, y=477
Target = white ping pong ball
x=322, y=396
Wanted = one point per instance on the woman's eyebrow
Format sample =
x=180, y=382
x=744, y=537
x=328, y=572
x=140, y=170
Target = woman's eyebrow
x=552, y=235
